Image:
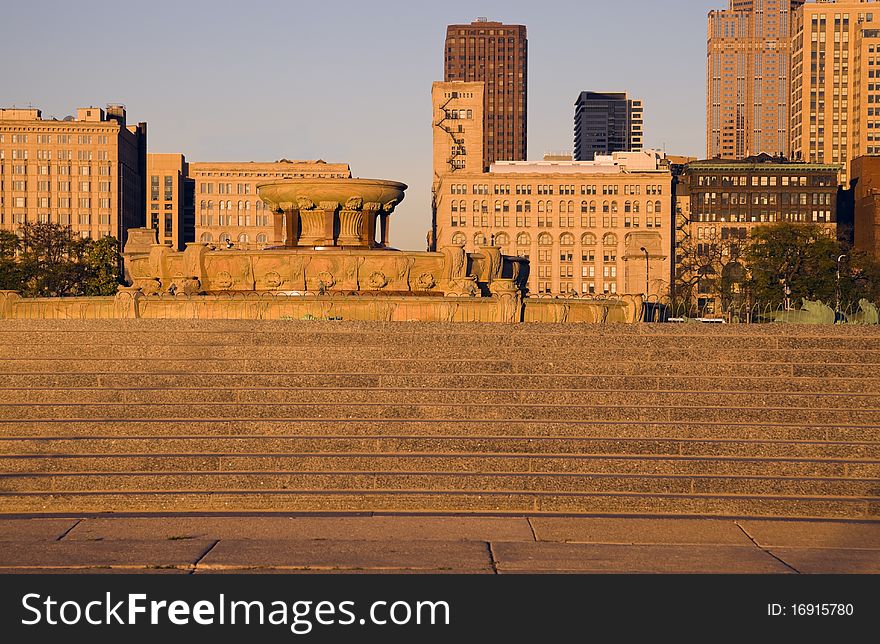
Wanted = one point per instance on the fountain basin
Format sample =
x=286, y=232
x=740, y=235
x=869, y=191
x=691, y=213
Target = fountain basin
x=327, y=213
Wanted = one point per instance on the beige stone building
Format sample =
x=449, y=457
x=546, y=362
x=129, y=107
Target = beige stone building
x=835, y=99
x=458, y=127
x=170, y=205
x=719, y=202
x=218, y=202
x=86, y=172
x=582, y=225
x=748, y=82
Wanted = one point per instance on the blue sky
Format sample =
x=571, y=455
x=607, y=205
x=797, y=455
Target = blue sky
x=347, y=81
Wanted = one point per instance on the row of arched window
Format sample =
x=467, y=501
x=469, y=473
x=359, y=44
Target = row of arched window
x=229, y=205
x=544, y=239
x=609, y=207
x=243, y=238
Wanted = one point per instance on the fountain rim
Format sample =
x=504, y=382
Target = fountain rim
x=332, y=180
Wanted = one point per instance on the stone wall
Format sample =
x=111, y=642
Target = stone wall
x=203, y=268
x=504, y=304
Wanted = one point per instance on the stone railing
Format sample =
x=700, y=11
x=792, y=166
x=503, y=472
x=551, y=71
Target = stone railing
x=504, y=304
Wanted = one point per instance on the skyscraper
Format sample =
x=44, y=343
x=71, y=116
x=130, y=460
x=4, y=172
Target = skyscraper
x=748, y=82
x=496, y=54
x=835, y=99
x=606, y=122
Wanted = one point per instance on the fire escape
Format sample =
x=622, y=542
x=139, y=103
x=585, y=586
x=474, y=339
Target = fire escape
x=457, y=148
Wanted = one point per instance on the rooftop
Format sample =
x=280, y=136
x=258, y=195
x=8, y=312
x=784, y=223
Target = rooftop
x=615, y=163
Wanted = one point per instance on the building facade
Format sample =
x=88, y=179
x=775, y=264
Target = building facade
x=866, y=196
x=720, y=202
x=228, y=209
x=86, y=172
x=835, y=95
x=457, y=127
x=170, y=200
x=496, y=54
x=607, y=122
x=748, y=78
x=582, y=225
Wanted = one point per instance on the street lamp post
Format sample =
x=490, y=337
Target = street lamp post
x=647, y=270
x=839, y=260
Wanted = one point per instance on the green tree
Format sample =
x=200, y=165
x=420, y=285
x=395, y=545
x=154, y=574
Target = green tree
x=10, y=269
x=799, y=257
x=101, y=259
x=860, y=278
x=706, y=268
x=48, y=260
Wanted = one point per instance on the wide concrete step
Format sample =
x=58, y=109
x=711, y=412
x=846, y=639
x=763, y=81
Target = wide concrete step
x=396, y=396
x=705, y=366
x=295, y=416
x=444, y=502
x=259, y=482
x=670, y=464
x=417, y=351
x=275, y=332
x=61, y=447
x=337, y=351
x=869, y=384
x=475, y=412
x=216, y=429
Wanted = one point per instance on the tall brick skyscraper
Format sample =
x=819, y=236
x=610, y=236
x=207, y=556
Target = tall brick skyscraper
x=835, y=97
x=497, y=54
x=748, y=78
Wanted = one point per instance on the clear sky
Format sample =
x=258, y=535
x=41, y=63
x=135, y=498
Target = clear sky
x=345, y=80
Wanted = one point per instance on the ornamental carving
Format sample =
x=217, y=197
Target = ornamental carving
x=223, y=279
x=185, y=286
x=492, y=263
x=447, y=311
x=350, y=268
x=304, y=203
x=559, y=313
x=148, y=286
x=273, y=279
x=390, y=206
x=355, y=203
x=377, y=280
x=325, y=279
x=426, y=281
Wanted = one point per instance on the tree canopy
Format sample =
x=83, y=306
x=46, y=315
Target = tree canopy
x=48, y=260
x=798, y=261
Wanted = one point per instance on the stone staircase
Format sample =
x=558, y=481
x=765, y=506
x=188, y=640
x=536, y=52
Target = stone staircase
x=179, y=416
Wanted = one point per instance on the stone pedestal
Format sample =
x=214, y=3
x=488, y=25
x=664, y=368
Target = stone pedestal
x=312, y=221
x=7, y=303
x=509, y=298
x=128, y=302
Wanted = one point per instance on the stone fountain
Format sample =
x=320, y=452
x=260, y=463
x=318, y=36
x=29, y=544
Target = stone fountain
x=331, y=237
x=332, y=213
